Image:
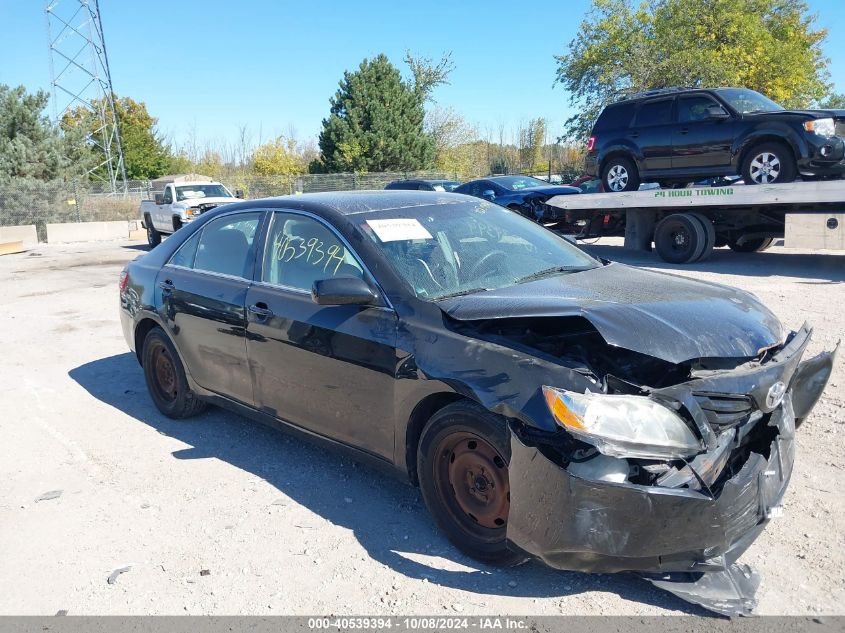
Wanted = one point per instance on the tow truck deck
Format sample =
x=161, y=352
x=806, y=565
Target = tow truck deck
x=686, y=224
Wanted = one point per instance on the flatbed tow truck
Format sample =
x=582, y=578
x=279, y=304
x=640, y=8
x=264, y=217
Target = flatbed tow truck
x=686, y=224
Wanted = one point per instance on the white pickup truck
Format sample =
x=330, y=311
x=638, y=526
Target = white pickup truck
x=178, y=200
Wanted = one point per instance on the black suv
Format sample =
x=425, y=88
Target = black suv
x=679, y=135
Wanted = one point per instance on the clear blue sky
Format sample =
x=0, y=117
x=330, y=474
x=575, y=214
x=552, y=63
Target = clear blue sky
x=214, y=65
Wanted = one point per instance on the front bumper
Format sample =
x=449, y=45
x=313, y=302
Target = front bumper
x=826, y=156
x=577, y=524
x=595, y=526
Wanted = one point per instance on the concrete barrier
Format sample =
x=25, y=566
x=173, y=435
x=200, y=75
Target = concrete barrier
x=26, y=234
x=7, y=248
x=87, y=232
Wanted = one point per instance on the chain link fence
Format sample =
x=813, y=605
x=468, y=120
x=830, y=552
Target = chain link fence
x=25, y=201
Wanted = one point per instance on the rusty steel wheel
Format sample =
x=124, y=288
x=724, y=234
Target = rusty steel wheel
x=462, y=467
x=164, y=372
x=473, y=477
x=165, y=377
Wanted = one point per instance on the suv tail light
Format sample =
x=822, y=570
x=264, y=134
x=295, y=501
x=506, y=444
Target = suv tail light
x=124, y=281
x=591, y=143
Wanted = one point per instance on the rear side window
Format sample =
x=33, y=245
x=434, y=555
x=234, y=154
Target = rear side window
x=616, y=116
x=655, y=113
x=187, y=252
x=227, y=244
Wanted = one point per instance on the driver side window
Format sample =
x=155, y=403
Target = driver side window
x=167, y=198
x=301, y=250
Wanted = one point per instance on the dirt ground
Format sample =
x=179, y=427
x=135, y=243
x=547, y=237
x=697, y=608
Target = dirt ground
x=285, y=528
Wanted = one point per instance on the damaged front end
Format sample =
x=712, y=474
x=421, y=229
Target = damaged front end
x=680, y=506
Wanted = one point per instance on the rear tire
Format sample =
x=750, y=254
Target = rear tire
x=165, y=377
x=680, y=238
x=751, y=246
x=620, y=174
x=769, y=163
x=153, y=236
x=709, y=236
x=462, y=465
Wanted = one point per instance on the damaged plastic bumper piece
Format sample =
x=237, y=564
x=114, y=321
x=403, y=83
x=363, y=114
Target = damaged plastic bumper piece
x=578, y=524
x=684, y=539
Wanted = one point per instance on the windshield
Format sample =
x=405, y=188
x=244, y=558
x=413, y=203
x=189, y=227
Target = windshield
x=747, y=101
x=445, y=185
x=515, y=183
x=191, y=192
x=449, y=249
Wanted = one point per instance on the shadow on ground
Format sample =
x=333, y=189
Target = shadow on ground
x=820, y=268
x=387, y=517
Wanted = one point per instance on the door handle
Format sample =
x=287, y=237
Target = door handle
x=634, y=135
x=684, y=130
x=260, y=310
x=167, y=286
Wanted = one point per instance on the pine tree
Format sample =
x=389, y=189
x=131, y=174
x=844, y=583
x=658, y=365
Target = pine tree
x=31, y=146
x=376, y=123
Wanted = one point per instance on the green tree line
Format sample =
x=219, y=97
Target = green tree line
x=381, y=120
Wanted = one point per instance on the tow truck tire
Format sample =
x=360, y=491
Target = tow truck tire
x=751, y=246
x=709, y=236
x=462, y=467
x=680, y=238
x=153, y=236
x=620, y=174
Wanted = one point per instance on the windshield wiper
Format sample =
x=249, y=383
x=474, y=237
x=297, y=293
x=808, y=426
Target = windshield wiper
x=550, y=271
x=460, y=293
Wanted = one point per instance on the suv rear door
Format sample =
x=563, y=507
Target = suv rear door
x=652, y=133
x=701, y=141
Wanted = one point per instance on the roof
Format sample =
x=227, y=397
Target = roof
x=363, y=201
x=426, y=180
x=159, y=183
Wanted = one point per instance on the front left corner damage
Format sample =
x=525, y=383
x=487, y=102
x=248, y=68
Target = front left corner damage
x=683, y=540
x=729, y=592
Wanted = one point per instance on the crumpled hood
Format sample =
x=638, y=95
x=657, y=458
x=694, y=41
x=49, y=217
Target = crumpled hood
x=665, y=316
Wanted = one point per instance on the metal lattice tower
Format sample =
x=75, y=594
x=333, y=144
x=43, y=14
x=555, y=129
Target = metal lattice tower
x=80, y=76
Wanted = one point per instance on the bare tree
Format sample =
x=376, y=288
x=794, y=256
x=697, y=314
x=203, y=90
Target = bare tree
x=427, y=74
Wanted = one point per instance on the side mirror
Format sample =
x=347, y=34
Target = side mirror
x=717, y=112
x=488, y=194
x=239, y=194
x=159, y=197
x=340, y=291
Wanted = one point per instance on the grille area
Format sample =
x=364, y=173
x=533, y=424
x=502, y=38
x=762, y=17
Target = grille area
x=725, y=411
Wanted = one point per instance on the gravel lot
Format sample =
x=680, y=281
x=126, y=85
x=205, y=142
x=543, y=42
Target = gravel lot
x=286, y=528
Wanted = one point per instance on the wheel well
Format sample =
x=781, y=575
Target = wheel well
x=177, y=222
x=420, y=416
x=614, y=154
x=762, y=140
x=141, y=331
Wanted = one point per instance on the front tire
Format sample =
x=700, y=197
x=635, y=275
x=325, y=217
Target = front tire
x=153, y=236
x=462, y=465
x=620, y=174
x=165, y=377
x=769, y=163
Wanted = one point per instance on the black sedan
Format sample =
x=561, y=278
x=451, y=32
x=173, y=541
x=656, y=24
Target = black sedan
x=423, y=185
x=523, y=194
x=596, y=416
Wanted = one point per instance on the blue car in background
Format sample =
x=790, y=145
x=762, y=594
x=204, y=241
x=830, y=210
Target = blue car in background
x=523, y=194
